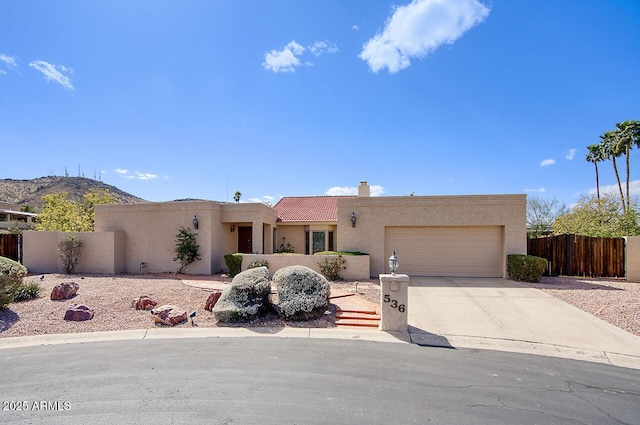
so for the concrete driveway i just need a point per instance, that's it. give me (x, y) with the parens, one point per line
(504, 315)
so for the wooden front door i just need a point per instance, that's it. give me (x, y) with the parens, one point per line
(245, 239)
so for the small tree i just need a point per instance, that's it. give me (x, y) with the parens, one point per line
(186, 248)
(237, 196)
(69, 251)
(541, 213)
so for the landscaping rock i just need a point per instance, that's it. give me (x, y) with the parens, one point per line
(303, 294)
(212, 300)
(78, 313)
(246, 298)
(64, 291)
(143, 302)
(169, 315)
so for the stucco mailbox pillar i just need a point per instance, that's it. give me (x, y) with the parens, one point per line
(394, 297)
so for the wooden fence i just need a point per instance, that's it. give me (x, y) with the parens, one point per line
(11, 246)
(572, 255)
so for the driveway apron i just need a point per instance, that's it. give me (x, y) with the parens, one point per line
(501, 309)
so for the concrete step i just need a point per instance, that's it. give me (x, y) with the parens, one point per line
(360, 323)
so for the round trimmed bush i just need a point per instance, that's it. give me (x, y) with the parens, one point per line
(11, 274)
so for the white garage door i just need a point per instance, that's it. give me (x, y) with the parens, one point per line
(446, 251)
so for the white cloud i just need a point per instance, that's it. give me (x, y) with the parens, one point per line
(124, 173)
(418, 29)
(320, 47)
(375, 190)
(634, 188)
(3, 72)
(539, 190)
(285, 60)
(54, 73)
(547, 162)
(355, 28)
(570, 154)
(9, 61)
(289, 58)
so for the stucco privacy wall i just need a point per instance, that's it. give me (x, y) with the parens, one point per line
(102, 252)
(357, 265)
(151, 231)
(633, 258)
(376, 213)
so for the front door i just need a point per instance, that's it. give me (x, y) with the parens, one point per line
(245, 239)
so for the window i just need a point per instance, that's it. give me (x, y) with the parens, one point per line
(330, 247)
(318, 242)
(3, 217)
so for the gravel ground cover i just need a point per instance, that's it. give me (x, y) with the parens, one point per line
(110, 297)
(615, 301)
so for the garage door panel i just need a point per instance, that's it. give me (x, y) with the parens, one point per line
(447, 251)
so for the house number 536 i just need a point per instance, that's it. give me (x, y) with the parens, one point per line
(394, 303)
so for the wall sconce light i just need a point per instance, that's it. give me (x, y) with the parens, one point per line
(393, 263)
(195, 222)
(353, 219)
(232, 228)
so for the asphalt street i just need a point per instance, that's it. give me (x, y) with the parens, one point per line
(257, 380)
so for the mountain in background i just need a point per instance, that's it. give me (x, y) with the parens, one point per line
(30, 192)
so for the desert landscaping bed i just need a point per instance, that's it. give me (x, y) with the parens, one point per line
(615, 301)
(110, 297)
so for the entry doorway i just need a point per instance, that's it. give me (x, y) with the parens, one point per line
(245, 239)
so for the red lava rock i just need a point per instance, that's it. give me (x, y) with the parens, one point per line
(143, 302)
(64, 291)
(78, 313)
(169, 315)
(212, 300)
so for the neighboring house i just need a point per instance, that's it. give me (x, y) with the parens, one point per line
(432, 235)
(11, 217)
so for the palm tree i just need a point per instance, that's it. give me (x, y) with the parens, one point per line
(628, 136)
(610, 149)
(237, 196)
(596, 155)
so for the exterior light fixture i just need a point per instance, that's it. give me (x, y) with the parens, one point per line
(353, 219)
(393, 263)
(232, 228)
(195, 222)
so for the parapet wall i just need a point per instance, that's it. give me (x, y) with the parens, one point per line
(357, 265)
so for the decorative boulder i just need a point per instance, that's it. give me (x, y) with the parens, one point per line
(143, 302)
(78, 313)
(212, 300)
(303, 294)
(246, 298)
(64, 291)
(169, 315)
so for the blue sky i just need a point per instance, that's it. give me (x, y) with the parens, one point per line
(198, 99)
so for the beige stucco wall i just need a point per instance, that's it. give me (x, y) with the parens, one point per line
(151, 231)
(375, 213)
(357, 265)
(102, 252)
(633, 258)
(293, 234)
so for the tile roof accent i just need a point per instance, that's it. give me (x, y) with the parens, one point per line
(308, 209)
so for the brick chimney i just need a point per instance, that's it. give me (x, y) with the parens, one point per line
(364, 190)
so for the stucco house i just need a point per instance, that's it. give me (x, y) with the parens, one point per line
(12, 217)
(432, 235)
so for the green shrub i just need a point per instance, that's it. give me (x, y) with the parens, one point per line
(525, 268)
(234, 263)
(69, 251)
(259, 263)
(331, 268)
(186, 248)
(26, 292)
(11, 274)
